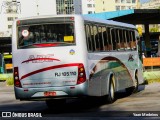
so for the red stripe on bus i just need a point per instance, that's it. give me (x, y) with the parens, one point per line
(49, 68)
(40, 59)
(46, 45)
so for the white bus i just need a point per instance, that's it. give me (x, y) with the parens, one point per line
(70, 56)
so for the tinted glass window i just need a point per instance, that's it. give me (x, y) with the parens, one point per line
(46, 35)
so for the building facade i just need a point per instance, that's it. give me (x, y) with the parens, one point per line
(37, 7)
(152, 4)
(65, 7)
(88, 6)
(75, 6)
(11, 9)
(114, 5)
(9, 12)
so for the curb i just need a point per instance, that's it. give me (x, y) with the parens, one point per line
(149, 81)
(151, 77)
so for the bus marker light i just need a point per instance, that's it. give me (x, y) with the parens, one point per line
(17, 82)
(81, 74)
(81, 69)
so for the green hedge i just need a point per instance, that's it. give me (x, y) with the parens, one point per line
(8, 78)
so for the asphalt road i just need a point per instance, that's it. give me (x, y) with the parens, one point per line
(145, 102)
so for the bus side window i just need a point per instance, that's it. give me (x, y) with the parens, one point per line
(105, 39)
(113, 33)
(130, 39)
(96, 38)
(118, 46)
(133, 40)
(101, 40)
(88, 38)
(110, 46)
(132, 45)
(126, 40)
(121, 37)
(92, 38)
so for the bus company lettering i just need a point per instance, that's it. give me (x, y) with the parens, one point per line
(58, 74)
(40, 59)
(130, 58)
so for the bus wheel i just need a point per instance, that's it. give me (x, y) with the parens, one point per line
(133, 89)
(55, 103)
(111, 92)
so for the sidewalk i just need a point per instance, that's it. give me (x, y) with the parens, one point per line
(5, 88)
(151, 76)
(2, 84)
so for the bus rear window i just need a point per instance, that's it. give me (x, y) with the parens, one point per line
(46, 35)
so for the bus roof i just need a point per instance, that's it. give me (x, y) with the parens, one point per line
(109, 22)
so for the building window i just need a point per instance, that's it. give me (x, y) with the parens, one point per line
(128, 1)
(122, 1)
(128, 7)
(65, 7)
(10, 18)
(89, 12)
(123, 7)
(133, 1)
(117, 1)
(89, 5)
(117, 7)
(9, 26)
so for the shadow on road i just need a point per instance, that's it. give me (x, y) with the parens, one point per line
(86, 104)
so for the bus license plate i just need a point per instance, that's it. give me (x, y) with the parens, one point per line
(49, 93)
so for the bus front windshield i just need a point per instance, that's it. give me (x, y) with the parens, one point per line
(45, 35)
